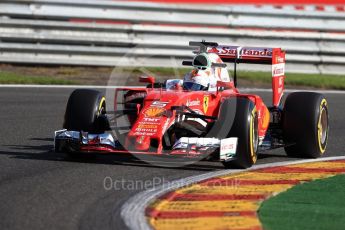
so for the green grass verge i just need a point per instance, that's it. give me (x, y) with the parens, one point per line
(13, 78)
(160, 71)
(76, 76)
(297, 79)
(319, 204)
(322, 81)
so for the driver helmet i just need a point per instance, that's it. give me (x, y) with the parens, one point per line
(199, 77)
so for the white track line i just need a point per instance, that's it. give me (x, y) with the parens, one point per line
(114, 87)
(133, 211)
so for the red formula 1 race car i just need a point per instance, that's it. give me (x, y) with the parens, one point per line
(200, 116)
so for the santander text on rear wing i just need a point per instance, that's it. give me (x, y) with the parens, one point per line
(255, 55)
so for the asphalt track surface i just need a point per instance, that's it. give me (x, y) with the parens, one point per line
(40, 189)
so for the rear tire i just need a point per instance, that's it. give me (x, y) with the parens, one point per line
(238, 118)
(305, 124)
(85, 111)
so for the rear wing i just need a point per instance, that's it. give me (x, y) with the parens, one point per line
(252, 55)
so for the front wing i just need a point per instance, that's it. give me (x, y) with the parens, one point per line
(84, 142)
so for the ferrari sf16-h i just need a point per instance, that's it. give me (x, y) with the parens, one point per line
(202, 116)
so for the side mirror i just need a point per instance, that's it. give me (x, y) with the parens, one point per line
(147, 79)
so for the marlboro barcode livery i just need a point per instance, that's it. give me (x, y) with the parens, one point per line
(202, 115)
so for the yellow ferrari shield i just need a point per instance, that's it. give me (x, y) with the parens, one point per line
(206, 99)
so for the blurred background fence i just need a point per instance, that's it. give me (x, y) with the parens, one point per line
(112, 33)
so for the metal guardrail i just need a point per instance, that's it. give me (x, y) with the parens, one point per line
(231, 17)
(110, 33)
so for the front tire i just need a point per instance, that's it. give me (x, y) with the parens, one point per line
(305, 124)
(238, 118)
(85, 111)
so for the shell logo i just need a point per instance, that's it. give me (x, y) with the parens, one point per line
(154, 112)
